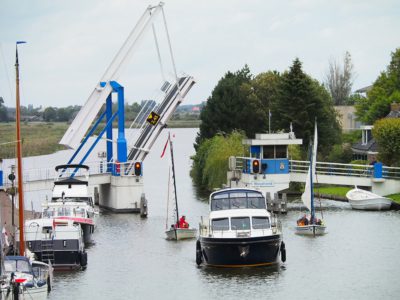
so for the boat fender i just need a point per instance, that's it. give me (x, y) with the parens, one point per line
(83, 259)
(199, 256)
(283, 252)
(48, 284)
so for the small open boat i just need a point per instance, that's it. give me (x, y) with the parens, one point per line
(175, 231)
(365, 200)
(311, 226)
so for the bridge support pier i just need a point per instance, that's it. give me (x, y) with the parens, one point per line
(122, 195)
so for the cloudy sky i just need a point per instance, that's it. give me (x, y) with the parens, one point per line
(72, 42)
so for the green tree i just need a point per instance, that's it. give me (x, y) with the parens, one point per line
(266, 88)
(301, 101)
(49, 114)
(385, 90)
(3, 111)
(387, 133)
(232, 105)
(63, 114)
(210, 164)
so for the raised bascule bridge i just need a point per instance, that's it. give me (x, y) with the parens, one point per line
(120, 178)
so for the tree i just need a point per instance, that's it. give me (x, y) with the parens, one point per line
(385, 90)
(49, 114)
(266, 88)
(387, 134)
(210, 163)
(302, 100)
(3, 111)
(339, 80)
(232, 105)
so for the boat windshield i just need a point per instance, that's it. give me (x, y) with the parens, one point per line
(17, 266)
(64, 211)
(261, 223)
(48, 213)
(223, 201)
(240, 223)
(220, 224)
(79, 212)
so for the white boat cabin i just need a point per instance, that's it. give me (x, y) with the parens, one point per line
(238, 213)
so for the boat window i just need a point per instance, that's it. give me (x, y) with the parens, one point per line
(261, 223)
(220, 224)
(79, 212)
(48, 213)
(240, 223)
(64, 211)
(258, 202)
(239, 202)
(220, 204)
(222, 195)
(17, 266)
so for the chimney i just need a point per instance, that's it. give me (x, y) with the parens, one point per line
(395, 106)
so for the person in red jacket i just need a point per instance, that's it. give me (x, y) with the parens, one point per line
(183, 223)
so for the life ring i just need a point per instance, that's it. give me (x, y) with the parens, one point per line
(199, 256)
(283, 252)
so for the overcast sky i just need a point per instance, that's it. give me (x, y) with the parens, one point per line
(71, 43)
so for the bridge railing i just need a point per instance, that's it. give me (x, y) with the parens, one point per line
(391, 172)
(95, 168)
(334, 169)
(339, 169)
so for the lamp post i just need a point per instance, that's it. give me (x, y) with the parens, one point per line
(11, 177)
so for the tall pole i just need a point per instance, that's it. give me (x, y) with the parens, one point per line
(173, 178)
(19, 158)
(269, 121)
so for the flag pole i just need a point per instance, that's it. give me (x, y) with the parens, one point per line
(269, 121)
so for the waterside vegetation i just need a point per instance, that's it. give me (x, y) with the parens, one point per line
(273, 101)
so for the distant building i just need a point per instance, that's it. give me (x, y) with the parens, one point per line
(347, 118)
(367, 149)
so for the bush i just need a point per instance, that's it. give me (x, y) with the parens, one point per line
(210, 164)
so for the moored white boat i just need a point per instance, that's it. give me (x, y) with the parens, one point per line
(58, 241)
(72, 200)
(24, 279)
(365, 200)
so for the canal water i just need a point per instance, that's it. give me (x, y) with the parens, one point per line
(356, 259)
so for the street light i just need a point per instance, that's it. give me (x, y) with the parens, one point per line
(11, 177)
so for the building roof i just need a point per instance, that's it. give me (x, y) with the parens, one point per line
(370, 147)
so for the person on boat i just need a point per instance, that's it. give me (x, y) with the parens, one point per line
(303, 221)
(183, 223)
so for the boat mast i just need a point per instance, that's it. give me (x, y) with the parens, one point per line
(19, 159)
(173, 178)
(312, 185)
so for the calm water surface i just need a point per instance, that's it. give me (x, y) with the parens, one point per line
(357, 259)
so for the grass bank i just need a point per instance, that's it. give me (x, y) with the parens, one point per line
(37, 138)
(340, 191)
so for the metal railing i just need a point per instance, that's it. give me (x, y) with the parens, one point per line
(95, 168)
(339, 169)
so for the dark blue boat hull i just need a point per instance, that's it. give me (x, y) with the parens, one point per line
(240, 252)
